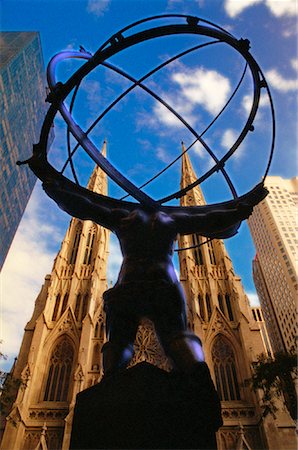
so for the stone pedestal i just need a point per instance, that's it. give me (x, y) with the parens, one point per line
(146, 408)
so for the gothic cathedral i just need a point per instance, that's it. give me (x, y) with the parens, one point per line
(61, 350)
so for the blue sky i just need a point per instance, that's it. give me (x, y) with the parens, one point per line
(142, 135)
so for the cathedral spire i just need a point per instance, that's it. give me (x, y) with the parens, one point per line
(98, 180)
(188, 176)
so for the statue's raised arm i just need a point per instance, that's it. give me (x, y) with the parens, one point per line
(220, 220)
(77, 201)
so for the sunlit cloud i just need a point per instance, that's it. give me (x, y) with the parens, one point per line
(183, 108)
(278, 82)
(98, 7)
(204, 87)
(228, 138)
(282, 7)
(277, 8)
(248, 100)
(114, 260)
(162, 155)
(294, 63)
(253, 299)
(235, 7)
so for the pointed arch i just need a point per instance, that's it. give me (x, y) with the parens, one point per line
(198, 255)
(202, 307)
(211, 251)
(208, 306)
(78, 306)
(59, 372)
(96, 357)
(229, 307)
(64, 303)
(81, 306)
(89, 250)
(56, 306)
(75, 244)
(224, 364)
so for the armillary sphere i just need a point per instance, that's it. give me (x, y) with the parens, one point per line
(125, 38)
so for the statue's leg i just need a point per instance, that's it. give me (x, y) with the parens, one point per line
(181, 345)
(121, 325)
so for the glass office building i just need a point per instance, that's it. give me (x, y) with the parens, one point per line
(22, 109)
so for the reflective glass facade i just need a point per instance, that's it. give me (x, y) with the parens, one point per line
(22, 108)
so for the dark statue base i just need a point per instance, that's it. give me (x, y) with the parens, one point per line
(146, 408)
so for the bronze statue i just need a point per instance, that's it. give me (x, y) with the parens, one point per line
(147, 284)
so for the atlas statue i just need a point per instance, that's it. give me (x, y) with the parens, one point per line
(147, 285)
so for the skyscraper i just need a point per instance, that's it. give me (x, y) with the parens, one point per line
(22, 109)
(273, 226)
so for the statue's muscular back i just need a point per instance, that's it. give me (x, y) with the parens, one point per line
(146, 240)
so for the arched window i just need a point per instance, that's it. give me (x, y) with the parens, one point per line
(211, 252)
(75, 244)
(221, 303)
(225, 370)
(81, 307)
(202, 307)
(56, 307)
(89, 246)
(64, 304)
(78, 306)
(96, 358)
(196, 239)
(229, 307)
(61, 361)
(99, 330)
(208, 305)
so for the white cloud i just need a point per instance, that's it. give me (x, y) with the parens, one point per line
(30, 258)
(294, 63)
(235, 7)
(204, 87)
(283, 7)
(98, 7)
(164, 115)
(278, 82)
(253, 299)
(163, 155)
(228, 138)
(247, 102)
(114, 260)
(277, 7)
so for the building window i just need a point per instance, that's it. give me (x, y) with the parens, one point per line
(211, 252)
(75, 245)
(197, 240)
(89, 246)
(208, 305)
(58, 379)
(225, 370)
(81, 307)
(96, 357)
(229, 307)
(64, 304)
(202, 307)
(56, 307)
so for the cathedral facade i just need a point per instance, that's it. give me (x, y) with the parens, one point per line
(61, 349)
